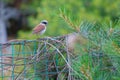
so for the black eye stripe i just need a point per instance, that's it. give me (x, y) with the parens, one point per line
(44, 22)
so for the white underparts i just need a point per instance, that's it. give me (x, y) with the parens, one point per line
(43, 31)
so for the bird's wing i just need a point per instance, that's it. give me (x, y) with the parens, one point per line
(38, 28)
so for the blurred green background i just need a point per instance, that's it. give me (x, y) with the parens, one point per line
(102, 36)
(104, 11)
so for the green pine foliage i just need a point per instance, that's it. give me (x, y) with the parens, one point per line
(97, 21)
(91, 10)
(99, 58)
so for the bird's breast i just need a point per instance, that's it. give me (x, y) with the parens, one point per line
(43, 31)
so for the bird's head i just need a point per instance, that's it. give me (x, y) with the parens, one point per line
(44, 22)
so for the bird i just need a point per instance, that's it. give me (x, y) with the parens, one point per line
(40, 28)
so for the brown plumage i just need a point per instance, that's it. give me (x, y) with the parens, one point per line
(40, 28)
